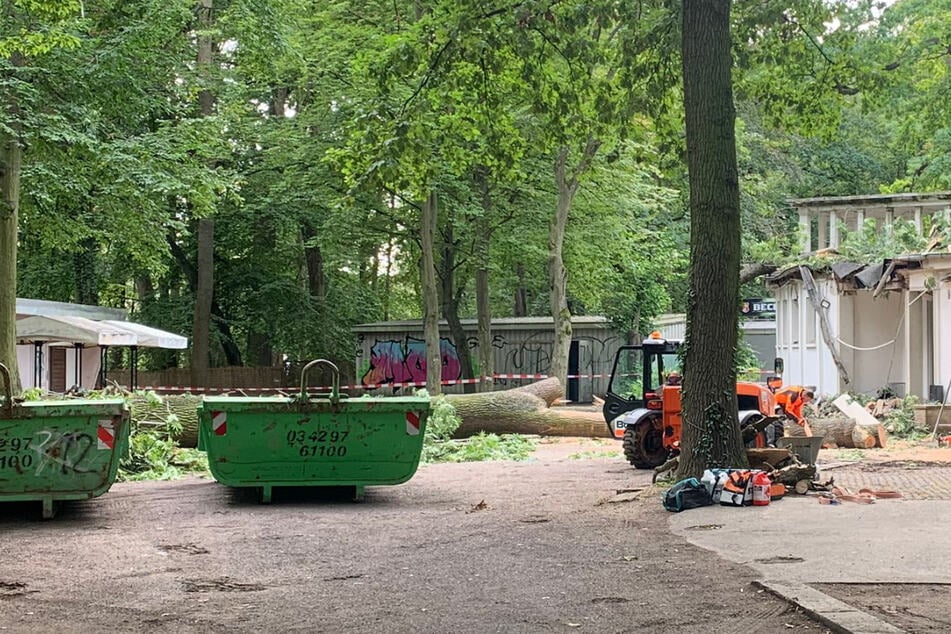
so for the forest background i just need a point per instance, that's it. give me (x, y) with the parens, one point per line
(262, 176)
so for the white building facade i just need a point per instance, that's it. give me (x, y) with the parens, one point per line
(883, 322)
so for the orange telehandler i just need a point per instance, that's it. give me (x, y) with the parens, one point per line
(644, 411)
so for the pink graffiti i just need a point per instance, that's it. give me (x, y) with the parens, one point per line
(405, 362)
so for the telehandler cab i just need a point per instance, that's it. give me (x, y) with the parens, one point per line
(642, 406)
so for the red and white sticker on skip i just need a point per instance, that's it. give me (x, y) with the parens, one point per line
(219, 423)
(412, 423)
(106, 434)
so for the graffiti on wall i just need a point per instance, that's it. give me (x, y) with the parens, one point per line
(404, 360)
(393, 361)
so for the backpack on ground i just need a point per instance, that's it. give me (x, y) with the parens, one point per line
(687, 494)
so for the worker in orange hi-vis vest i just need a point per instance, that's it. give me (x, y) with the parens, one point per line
(791, 400)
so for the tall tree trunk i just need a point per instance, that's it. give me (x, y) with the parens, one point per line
(567, 185)
(450, 309)
(220, 321)
(483, 308)
(558, 275)
(314, 258)
(205, 278)
(86, 275)
(711, 432)
(260, 350)
(204, 293)
(427, 230)
(388, 280)
(11, 155)
(521, 293)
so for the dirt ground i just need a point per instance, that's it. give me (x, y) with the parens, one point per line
(914, 607)
(558, 543)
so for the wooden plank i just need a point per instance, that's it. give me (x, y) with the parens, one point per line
(813, 293)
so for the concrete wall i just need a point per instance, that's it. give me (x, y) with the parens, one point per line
(876, 339)
(393, 352)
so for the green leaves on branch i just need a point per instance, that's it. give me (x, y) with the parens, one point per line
(36, 27)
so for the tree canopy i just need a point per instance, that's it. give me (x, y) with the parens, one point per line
(549, 135)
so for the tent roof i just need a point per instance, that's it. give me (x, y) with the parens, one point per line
(45, 308)
(149, 337)
(67, 329)
(63, 329)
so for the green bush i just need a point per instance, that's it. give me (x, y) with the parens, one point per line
(901, 420)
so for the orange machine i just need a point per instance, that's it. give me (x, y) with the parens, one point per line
(644, 411)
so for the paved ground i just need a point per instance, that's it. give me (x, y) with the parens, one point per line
(560, 543)
(863, 568)
(544, 546)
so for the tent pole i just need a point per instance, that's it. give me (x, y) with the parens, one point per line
(78, 364)
(38, 364)
(103, 366)
(134, 370)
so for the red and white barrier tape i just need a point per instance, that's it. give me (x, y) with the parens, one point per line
(359, 386)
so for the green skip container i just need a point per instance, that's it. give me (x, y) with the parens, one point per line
(59, 450)
(320, 440)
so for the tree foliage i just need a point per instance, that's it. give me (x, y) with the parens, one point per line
(334, 121)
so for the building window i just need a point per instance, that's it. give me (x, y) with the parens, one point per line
(810, 318)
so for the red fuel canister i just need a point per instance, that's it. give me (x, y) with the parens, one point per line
(761, 484)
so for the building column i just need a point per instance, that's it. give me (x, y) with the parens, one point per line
(805, 229)
(918, 219)
(823, 237)
(889, 219)
(906, 335)
(833, 229)
(859, 219)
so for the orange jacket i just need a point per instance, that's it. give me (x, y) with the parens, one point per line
(791, 401)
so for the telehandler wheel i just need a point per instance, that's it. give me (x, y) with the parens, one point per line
(753, 437)
(644, 443)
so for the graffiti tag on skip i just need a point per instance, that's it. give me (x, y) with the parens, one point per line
(65, 452)
(394, 361)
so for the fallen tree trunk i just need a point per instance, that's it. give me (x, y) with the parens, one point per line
(549, 390)
(843, 432)
(149, 413)
(521, 410)
(524, 410)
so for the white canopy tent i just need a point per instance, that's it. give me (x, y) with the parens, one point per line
(79, 332)
(69, 330)
(148, 337)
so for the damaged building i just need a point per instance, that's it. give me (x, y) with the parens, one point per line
(859, 326)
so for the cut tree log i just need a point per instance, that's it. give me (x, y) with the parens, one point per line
(148, 413)
(851, 408)
(844, 432)
(525, 410)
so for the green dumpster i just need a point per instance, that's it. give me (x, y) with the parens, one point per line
(59, 450)
(316, 440)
